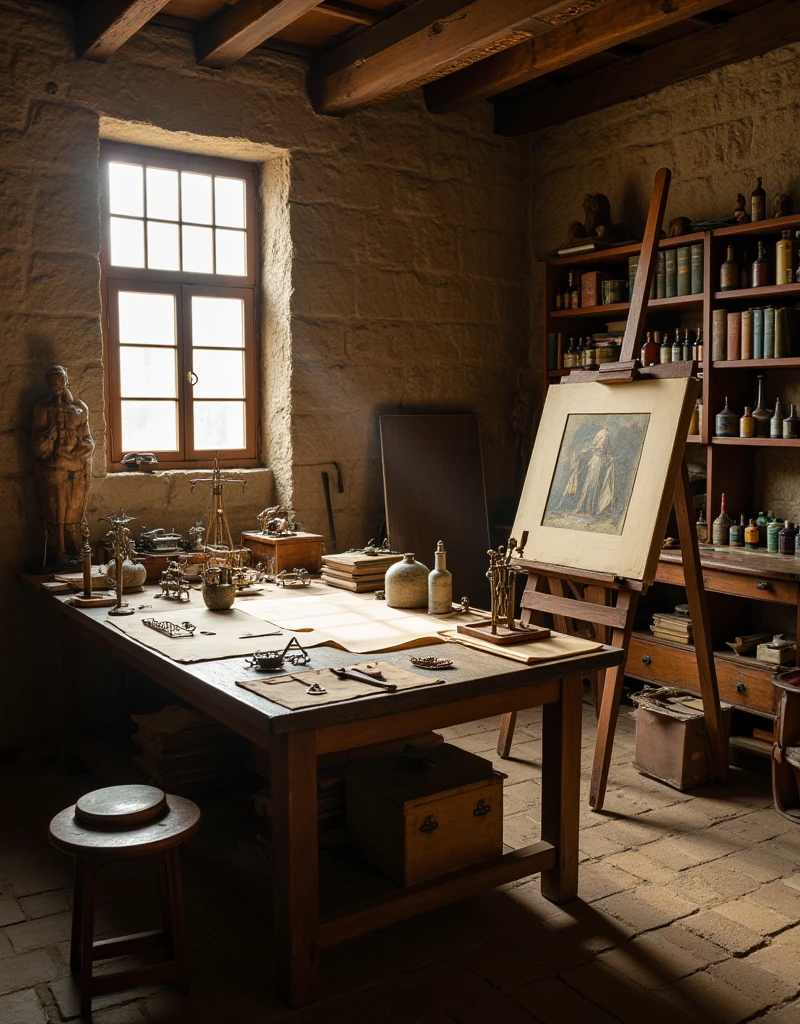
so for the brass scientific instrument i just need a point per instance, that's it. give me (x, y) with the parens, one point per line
(120, 546)
(217, 546)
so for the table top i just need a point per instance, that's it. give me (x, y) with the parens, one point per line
(473, 674)
(756, 563)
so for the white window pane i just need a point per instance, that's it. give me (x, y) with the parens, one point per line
(196, 197)
(219, 374)
(148, 372)
(127, 242)
(217, 323)
(231, 257)
(125, 190)
(197, 254)
(162, 193)
(229, 202)
(218, 425)
(163, 251)
(150, 426)
(147, 318)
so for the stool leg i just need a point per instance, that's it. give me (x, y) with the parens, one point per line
(87, 934)
(166, 910)
(177, 926)
(77, 916)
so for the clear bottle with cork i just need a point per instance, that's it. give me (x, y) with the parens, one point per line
(665, 348)
(776, 423)
(729, 272)
(721, 527)
(677, 347)
(758, 202)
(760, 268)
(650, 352)
(784, 272)
(440, 584)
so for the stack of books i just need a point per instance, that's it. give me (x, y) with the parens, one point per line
(357, 572)
(677, 628)
(182, 751)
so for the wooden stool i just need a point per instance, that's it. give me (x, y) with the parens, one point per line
(786, 748)
(116, 823)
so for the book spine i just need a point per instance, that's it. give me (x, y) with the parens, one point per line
(781, 334)
(672, 273)
(661, 275)
(697, 268)
(633, 266)
(758, 333)
(684, 270)
(718, 340)
(734, 339)
(769, 332)
(747, 334)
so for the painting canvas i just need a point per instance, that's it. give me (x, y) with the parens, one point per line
(601, 479)
(595, 471)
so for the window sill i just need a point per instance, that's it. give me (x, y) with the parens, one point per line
(186, 467)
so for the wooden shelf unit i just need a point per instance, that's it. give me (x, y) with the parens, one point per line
(730, 462)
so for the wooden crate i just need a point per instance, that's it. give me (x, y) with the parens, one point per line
(294, 551)
(672, 750)
(416, 818)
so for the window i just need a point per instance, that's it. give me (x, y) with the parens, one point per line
(180, 272)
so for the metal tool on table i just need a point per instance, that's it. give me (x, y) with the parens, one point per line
(375, 679)
(174, 630)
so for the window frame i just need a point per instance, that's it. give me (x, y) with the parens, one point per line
(183, 285)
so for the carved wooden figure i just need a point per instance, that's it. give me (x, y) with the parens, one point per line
(62, 445)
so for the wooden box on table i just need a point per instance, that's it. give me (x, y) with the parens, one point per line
(292, 551)
(417, 817)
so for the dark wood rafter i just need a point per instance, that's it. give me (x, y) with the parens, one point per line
(430, 39)
(749, 35)
(240, 29)
(609, 27)
(350, 12)
(102, 26)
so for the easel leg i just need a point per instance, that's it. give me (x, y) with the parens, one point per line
(561, 789)
(609, 707)
(295, 866)
(698, 612)
(506, 737)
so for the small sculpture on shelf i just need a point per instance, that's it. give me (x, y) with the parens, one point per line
(174, 584)
(740, 214)
(597, 210)
(679, 226)
(122, 545)
(62, 446)
(276, 520)
(783, 205)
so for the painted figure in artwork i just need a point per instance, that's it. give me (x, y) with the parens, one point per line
(62, 446)
(595, 472)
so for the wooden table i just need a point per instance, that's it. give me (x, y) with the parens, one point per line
(480, 685)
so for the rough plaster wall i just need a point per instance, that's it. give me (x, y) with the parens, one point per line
(716, 133)
(406, 288)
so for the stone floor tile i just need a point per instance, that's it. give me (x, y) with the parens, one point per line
(689, 851)
(710, 1000)
(65, 993)
(765, 987)
(36, 878)
(702, 949)
(22, 1007)
(44, 931)
(754, 917)
(653, 961)
(758, 826)
(594, 843)
(715, 876)
(618, 995)
(599, 879)
(637, 862)
(553, 1002)
(10, 912)
(736, 938)
(498, 1008)
(501, 964)
(782, 961)
(6, 949)
(790, 937)
(45, 903)
(132, 1013)
(649, 906)
(26, 970)
(777, 896)
(789, 1013)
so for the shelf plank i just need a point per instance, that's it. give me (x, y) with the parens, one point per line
(770, 226)
(674, 302)
(757, 442)
(621, 252)
(790, 363)
(764, 292)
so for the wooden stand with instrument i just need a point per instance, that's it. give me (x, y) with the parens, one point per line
(606, 602)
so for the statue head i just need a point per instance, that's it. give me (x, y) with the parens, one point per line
(57, 379)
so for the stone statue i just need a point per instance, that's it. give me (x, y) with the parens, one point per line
(62, 446)
(740, 214)
(782, 205)
(679, 226)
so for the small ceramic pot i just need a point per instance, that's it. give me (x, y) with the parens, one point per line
(219, 596)
(134, 574)
(407, 584)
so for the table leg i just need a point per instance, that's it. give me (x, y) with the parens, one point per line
(561, 781)
(296, 866)
(69, 663)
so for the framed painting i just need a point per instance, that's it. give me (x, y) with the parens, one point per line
(602, 476)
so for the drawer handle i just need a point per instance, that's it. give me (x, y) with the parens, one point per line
(429, 824)
(482, 809)
(741, 688)
(646, 659)
(763, 585)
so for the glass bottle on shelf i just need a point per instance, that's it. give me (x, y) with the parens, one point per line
(786, 539)
(747, 425)
(575, 292)
(559, 303)
(760, 268)
(751, 536)
(761, 413)
(758, 202)
(736, 539)
(694, 422)
(729, 272)
(726, 422)
(566, 295)
(650, 353)
(776, 423)
(762, 523)
(697, 350)
(677, 347)
(686, 348)
(783, 258)
(721, 527)
(744, 272)
(665, 348)
(791, 425)
(702, 528)
(773, 529)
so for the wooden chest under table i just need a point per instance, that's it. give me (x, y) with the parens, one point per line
(292, 551)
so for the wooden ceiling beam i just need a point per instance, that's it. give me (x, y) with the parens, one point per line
(748, 35)
(350, 12)
(240, 29)
(593, 32)
(102, 26)
(428, 40)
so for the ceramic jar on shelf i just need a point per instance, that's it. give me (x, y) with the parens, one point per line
(406, 584)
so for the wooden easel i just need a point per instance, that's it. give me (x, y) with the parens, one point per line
(609, 602)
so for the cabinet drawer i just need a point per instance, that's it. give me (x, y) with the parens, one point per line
(757, 588)
(746, 686)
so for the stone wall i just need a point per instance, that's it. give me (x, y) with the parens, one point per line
(396, 278)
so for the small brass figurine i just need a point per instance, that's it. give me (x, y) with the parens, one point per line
(121, 533)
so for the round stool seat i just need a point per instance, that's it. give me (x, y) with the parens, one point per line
(172, 824)
(117, 806)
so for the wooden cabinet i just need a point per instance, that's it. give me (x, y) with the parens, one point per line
(294, 551)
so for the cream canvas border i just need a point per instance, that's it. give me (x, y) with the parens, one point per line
(633, 554)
